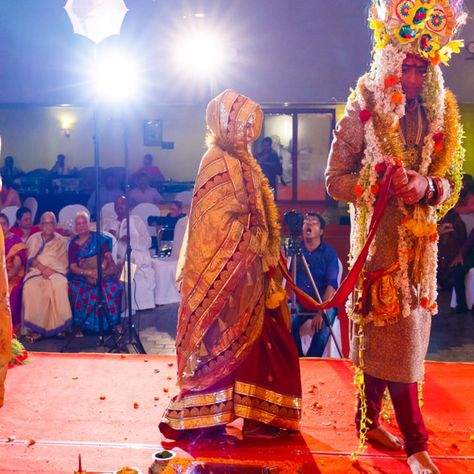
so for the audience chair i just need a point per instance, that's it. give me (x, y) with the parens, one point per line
(330, 349)
(108, 211)
(165, 268)
(32, 204)
(145, 210)
(185, 197)
(68, 213)
(179, 232)
(10, 212)
(114, 244)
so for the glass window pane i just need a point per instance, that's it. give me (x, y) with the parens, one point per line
(279, 127)
(314, 133)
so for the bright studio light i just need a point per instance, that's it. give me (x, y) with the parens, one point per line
(200, 54)
(115, 78)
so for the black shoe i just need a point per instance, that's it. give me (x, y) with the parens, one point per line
(461, 309)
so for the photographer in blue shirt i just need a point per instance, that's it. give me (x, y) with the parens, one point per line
(323, 264)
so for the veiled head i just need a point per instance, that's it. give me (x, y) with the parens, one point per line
(233, 118)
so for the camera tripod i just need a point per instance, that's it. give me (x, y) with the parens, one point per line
(295, 252)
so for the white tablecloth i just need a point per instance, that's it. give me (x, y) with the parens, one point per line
(165, 277)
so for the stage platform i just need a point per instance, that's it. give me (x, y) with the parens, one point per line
(107, 408)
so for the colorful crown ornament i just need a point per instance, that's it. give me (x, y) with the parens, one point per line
(422, 27)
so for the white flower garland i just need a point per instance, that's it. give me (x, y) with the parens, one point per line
(388, 62)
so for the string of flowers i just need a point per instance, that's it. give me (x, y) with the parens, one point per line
(380, 97)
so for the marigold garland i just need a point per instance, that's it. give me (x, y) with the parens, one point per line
(379, 95)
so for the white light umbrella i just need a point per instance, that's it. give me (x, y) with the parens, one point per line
(96, 19)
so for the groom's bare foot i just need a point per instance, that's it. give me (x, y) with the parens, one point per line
(381, 436)
(421, 463)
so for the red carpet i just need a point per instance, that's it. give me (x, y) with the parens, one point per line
(55, 402)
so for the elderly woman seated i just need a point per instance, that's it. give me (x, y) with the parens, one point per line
(83, 290)
(46, 308)
(15, 261)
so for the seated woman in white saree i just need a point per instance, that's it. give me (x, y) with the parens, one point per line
(46, 308)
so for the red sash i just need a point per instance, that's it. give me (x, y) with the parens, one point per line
(340, 296)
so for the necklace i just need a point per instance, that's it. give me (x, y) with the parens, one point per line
(411, 140)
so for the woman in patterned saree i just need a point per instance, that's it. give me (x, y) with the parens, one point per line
(15, 260)
(235, 354)
(83, 278)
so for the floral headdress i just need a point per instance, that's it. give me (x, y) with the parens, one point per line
(422, 27)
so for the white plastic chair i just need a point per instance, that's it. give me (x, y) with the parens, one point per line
(184, 196)
(68, 213)
(10, 212)
(179, 232)
(114, 244)
(306, 335)
(108, 211)
(32, 204)
(145, 210)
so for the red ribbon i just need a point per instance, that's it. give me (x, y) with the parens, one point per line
(347, 286)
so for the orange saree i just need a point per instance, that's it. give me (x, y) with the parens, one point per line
(235, 355)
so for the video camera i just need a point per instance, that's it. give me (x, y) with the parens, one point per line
(294, 221)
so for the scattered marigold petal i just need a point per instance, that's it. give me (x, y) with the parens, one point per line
(136, 405)
(11, 438)
(156, 398)
(170, 364)
(169, 378)
(122, 356)
(31, 442)
(165, 389)
(102, 396)
(145, 360)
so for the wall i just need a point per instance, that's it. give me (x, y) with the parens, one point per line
(33, 136)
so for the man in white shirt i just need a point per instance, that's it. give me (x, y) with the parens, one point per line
(143, 284)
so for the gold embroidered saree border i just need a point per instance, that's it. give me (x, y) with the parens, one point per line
(199, 420)
(199, 400)
(281, 420)
(249, 390)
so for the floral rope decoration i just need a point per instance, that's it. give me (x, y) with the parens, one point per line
(381, 102)
(359, 382)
